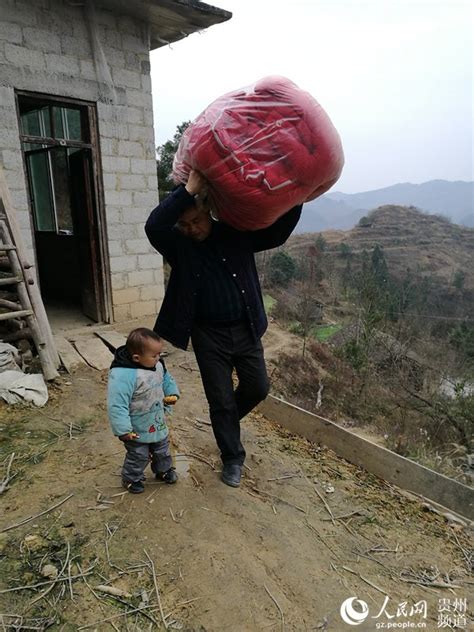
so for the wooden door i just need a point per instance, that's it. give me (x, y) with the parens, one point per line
(85, 231)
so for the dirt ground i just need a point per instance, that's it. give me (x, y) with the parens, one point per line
(305, 532)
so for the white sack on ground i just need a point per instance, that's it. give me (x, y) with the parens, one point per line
(10, 358)
(17, 387)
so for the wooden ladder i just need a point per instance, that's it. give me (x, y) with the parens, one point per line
(30, 305)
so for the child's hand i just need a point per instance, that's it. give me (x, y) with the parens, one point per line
(170, 400)
(129, 436)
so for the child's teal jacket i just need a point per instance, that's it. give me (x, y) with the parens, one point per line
(135, 399)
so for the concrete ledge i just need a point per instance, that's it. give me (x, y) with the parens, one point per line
(371, 457)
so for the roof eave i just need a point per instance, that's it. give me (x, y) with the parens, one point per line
(169, 20)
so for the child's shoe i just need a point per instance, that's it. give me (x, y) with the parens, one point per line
(134, 487)
(169, 476)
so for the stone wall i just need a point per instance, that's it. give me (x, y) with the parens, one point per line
(51, 47)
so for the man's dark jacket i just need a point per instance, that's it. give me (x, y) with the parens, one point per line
(237, 248)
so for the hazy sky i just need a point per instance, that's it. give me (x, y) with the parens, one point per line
(395, 77)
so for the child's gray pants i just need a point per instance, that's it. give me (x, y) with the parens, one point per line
(140, 454)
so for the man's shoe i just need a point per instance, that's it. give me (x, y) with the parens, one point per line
(134, 487)
(231, 474)
(169, 476)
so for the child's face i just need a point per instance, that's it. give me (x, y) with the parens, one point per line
(150, 354)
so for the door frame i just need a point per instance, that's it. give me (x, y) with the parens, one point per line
(102, 251)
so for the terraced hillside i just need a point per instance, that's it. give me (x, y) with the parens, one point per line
(427, 244)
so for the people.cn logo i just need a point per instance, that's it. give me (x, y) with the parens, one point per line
(352, 616)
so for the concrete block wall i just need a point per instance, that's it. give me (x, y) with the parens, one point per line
(46, 46)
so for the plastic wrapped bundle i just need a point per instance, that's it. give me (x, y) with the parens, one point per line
(263, 149)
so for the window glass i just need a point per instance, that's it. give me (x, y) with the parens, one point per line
(62, 196)
(58, 122)
(49, 167)
(30, 123)
(36, 123)
(74, 126)
(42, 200)
(67, 123)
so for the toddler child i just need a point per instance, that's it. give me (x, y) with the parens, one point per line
(139, 388)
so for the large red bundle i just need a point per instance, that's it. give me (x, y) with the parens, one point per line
(263, 149)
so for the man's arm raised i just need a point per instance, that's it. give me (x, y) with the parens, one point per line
(160, 223)
(276, 234)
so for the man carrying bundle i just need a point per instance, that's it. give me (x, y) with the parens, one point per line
(214, 298)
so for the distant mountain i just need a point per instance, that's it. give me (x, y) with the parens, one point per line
(336, 210)
(427, 244)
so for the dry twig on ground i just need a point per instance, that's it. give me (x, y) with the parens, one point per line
(45, 583)
(56, 580)
(157, 591)
(7, 478)
(282, 500)
(281, 478)
(314, 530)
(282, 616)
(364, 579)
(116, 616)
(424, 579)
(328, 509)
(199, 457)
(19, 622)
(42, 513)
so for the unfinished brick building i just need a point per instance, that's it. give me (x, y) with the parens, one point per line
(77, 143)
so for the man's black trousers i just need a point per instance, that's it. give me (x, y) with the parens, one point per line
(220, 350)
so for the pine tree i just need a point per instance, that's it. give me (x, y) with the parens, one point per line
(164, 162)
